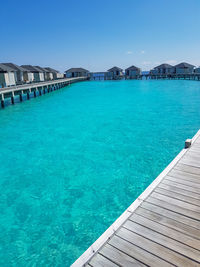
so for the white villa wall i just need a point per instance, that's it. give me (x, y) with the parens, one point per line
(41, 76)
(11, 78)
(51, 76)
(7, 79)
(30, 77)
(60, 75)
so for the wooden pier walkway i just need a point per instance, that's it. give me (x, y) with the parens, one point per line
(162, 226)
(35, 88)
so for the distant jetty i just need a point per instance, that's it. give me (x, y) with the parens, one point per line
(24, 92)
(14, 75)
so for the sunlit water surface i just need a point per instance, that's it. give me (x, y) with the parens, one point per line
(72, 161)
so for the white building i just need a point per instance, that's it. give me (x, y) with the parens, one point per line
(36, 74)
(48, 75)
(19, 72)
(44, 71)
(7, 76)
(55, 73)
(76, 72)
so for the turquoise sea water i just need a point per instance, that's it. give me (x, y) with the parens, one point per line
(72, 161)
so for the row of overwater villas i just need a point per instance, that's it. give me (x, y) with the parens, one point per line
(12, 74)
(179, 69)
(113, 73)
(133, 72)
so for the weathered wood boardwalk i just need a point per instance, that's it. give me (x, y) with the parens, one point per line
(160, 228)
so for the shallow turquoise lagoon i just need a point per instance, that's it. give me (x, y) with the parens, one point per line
(72, 161)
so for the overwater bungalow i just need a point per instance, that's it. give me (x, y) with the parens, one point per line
(114, 73)
(37, 74)
(163, 69)
(19, 72)
(7, 76)
(48, 75)
(43, 70)
(76, 72)
(184, 68)
(132, 72)
(54, 72)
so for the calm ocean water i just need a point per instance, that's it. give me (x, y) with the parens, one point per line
(72, 161)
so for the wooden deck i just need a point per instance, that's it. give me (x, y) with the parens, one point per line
(162, 227)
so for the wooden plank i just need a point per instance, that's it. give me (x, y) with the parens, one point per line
(135, 251)
(100, 261)
(177, 202)
(195, 149)
(166, 231)
(169, 213)
(177, 180)
(191, 162)
(175, 208)
(178, 196)
(156, 249)
(191, 156)
(193, 153)
(172, 223)
(177, 189)
(184, 175)
(119, 257)
(180, 185)
(165, 242)
(185, 168)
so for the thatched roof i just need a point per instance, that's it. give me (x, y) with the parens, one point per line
(115, 69)
(30, 68)
(132, 68)
(5, 68)
(40, 68)
(77, 70)
(184, 65)
(14, 66)
(164, 66)
(51, 70)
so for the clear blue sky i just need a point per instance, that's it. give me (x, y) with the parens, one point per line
(99, 34)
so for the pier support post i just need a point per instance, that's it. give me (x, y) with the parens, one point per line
(28, 95)
(20, 96)
(13, 98)
(40, 92)
(44, 92)
(34, 92)
(2, 101)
